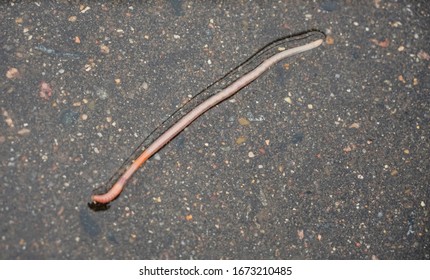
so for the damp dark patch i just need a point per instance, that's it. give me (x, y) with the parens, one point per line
(330, 6)
(68, 117)
(297, 138)
(88, 224)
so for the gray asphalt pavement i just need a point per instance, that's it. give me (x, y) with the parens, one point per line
(324, 157)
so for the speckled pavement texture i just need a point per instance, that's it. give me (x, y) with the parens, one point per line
(324, 157)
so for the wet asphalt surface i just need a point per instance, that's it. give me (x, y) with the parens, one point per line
(324, 157)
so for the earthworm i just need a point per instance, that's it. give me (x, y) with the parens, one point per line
(187, 119)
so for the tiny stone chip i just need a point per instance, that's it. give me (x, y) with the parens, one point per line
(244, 121)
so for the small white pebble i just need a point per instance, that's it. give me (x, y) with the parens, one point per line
(251, 154)
(85, 10)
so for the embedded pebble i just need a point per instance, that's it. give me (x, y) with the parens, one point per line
(243, 121)
(240, 140)
(104, 49)
(12, 73)
(24, 132)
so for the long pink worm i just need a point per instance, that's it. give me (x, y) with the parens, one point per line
(186, 120)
